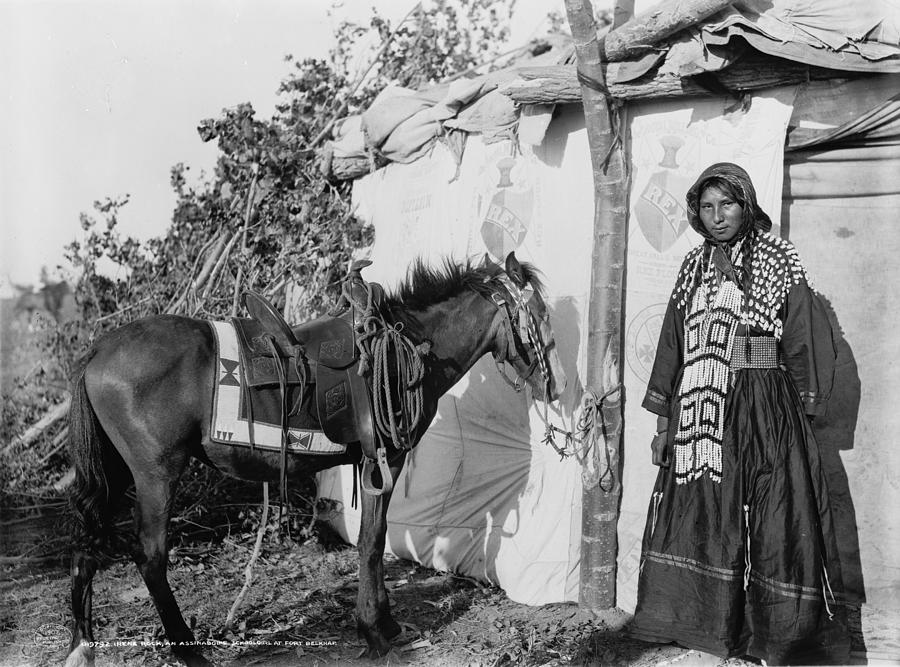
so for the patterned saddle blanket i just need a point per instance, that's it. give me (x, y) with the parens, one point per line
(243, 377)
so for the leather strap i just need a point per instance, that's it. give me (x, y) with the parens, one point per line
(511, 353)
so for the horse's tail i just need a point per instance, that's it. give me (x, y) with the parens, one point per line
(95, 460)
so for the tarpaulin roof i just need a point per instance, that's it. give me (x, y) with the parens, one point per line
(401, 123)
(852, 36)
(856, 36)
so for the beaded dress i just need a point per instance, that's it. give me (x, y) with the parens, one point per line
(739, 555)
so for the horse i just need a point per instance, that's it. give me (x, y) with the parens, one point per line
(141, 408)
(55, 299)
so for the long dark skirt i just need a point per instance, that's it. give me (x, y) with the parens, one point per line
(748, 565)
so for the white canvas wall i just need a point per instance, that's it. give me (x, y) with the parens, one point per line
(481, 495)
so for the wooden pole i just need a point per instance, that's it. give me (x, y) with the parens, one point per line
(600, 506)
(558, 84)
(623, 12)
(657, 23)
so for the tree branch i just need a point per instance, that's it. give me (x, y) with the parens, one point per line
(248, 571)
(247, 213)
(346, 103)
(34, 432)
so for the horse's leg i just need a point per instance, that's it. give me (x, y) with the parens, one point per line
(84, 566)
(373, 612)
(81, 651)
(154, 503)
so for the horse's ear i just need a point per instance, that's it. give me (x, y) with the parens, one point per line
(486, 261)
(514, 270)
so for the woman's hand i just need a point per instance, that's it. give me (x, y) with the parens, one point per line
(660, 448)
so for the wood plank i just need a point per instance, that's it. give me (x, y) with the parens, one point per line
(348, 168)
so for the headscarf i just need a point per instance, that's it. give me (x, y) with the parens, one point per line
(743, 190)
(755, 220)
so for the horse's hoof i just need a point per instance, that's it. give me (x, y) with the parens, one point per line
(82, 656)
(392, 657)
(377, 645)
(377, 653)
(390, 628)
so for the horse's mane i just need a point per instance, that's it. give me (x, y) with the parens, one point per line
(425, 285)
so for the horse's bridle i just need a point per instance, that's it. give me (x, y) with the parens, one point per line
(517, 306)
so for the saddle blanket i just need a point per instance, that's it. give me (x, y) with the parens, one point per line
(230, 425)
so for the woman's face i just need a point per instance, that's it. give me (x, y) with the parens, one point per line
(720, 214)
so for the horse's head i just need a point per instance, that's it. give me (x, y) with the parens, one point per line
(525, 340)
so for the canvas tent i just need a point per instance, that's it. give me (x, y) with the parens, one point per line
(806, 96)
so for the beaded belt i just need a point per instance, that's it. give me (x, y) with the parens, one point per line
(763, 353)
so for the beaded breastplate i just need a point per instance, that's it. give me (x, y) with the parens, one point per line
(776, 268)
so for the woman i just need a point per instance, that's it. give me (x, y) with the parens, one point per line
(739, 555)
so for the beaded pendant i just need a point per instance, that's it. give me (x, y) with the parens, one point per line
(708, 336)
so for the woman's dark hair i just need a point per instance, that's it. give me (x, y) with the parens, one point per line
(735, 182)
(724, 186)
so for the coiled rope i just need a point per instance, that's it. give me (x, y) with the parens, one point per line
(380, 343)
(397, 422)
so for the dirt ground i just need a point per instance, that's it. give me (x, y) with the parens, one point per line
(300, 611)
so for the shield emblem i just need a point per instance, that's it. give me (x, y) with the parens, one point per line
(659, 210)
(508, 214)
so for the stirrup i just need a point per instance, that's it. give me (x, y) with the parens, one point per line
(387, 481)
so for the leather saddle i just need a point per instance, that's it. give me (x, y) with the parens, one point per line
(321, 353)
(343, 398)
